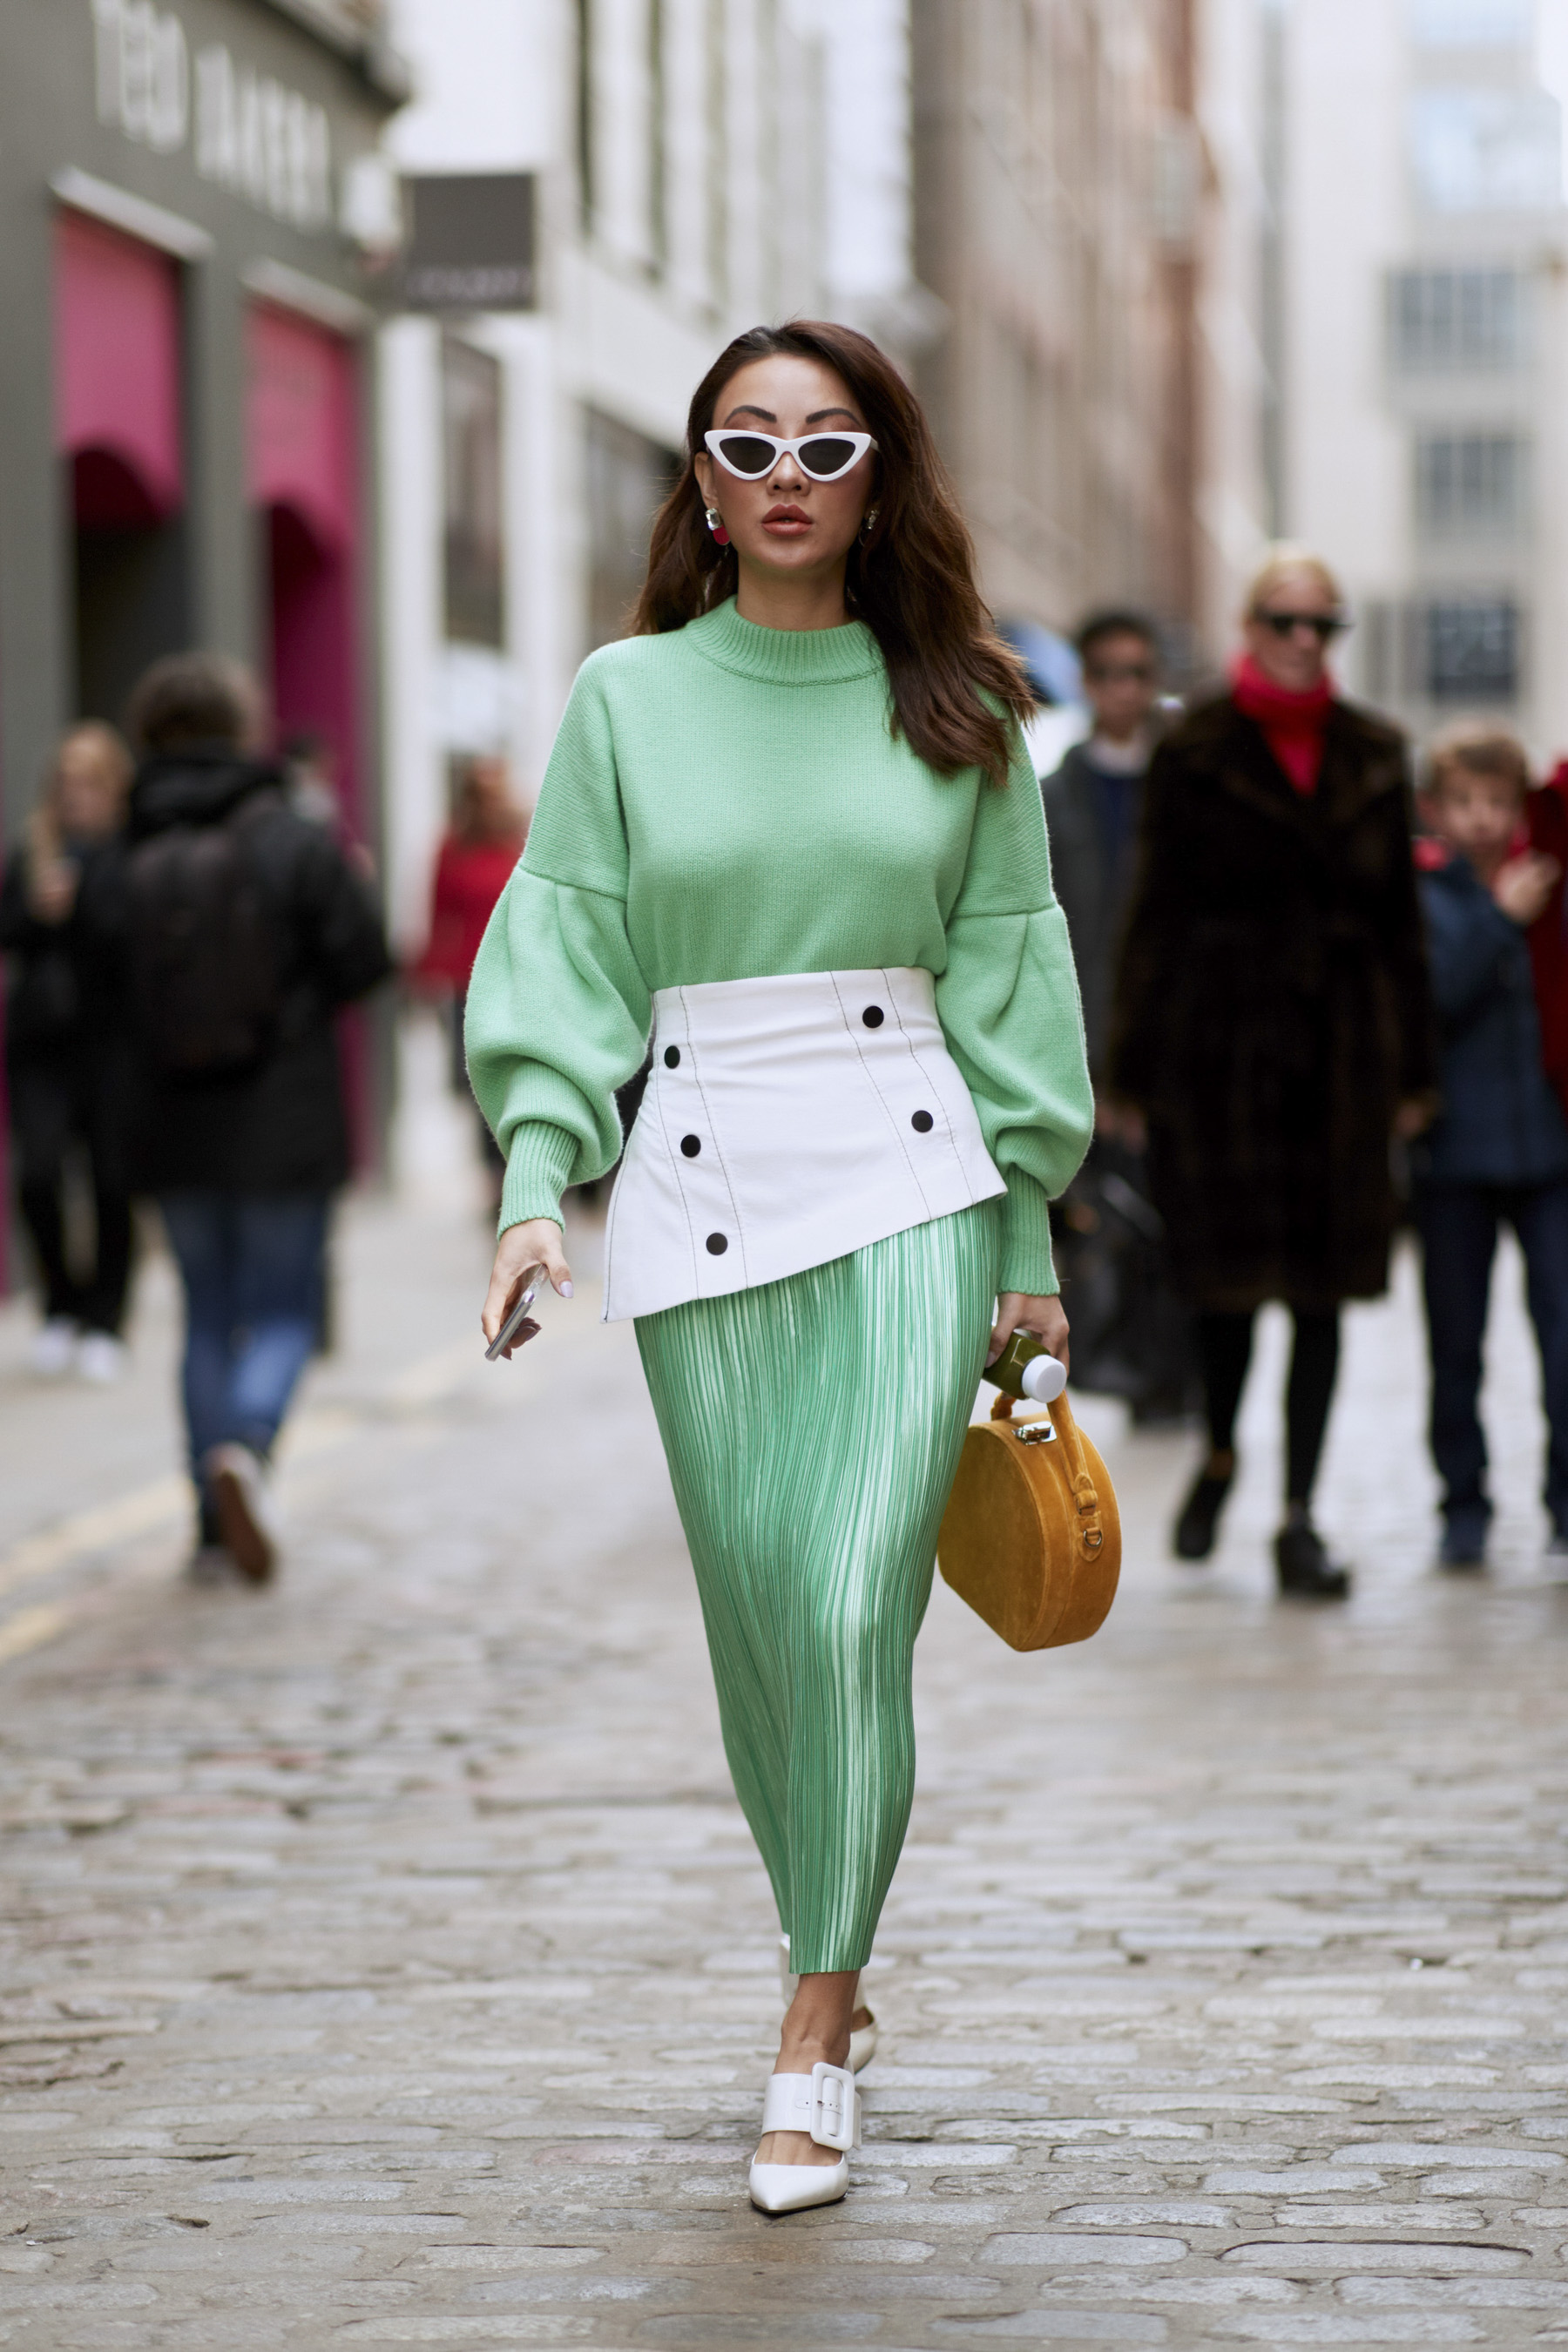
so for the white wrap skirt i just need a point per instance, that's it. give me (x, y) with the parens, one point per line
(787, 1122)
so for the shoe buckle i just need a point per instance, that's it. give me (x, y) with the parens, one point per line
(834, 2108)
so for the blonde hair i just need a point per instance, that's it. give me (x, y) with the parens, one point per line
(1481, 748)
(113, 755)
(1283, 559)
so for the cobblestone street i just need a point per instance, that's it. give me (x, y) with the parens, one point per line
(386, 1961)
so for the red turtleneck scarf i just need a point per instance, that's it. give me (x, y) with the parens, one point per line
(1293, 724)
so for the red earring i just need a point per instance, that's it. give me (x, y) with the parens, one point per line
(715, 522)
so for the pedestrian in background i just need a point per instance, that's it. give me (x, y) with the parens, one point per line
(67, 1045)
(1498, 1150)
(1093, 805)
(473, 866)
(867, 1082)
(1131, 1332)
(1274, 1026)
(248, 928)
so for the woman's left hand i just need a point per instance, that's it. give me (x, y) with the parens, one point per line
(1043, 1317)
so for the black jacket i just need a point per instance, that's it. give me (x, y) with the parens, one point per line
(65, 997)
(1501, 1123)
(1273, 1008)
(1091, 895)
(279, 1128)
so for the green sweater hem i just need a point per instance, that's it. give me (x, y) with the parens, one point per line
(1027, 1262)
(538, 1171)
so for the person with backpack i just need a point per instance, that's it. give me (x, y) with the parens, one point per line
(248, 929)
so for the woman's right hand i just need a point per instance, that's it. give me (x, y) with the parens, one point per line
(523, 1250)
(52, 892)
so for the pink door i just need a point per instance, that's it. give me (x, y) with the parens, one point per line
(304, 468)
(117, 374)
(304, 478)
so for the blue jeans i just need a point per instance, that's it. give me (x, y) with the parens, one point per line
(252, 1266)
(1458, 1225)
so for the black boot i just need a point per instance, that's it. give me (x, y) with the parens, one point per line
(1306, 1572)
(1199, 1516)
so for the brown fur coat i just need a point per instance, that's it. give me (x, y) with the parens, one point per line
(1272, 1007)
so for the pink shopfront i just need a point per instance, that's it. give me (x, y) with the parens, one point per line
(193, 255)
(120, 426)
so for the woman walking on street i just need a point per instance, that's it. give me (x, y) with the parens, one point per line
(1274, 1025)
(791, 825)
(68, 1044)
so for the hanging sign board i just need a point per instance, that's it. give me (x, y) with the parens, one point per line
(470, 241)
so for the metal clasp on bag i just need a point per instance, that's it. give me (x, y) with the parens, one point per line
(1035, 1433)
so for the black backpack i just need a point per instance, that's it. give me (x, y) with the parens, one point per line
(203, 941)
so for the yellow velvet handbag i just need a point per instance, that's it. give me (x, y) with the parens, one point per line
(1032, 1538)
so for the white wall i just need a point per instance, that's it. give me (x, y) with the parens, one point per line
(1355, 211)
(1347, 225)
(1231, 508)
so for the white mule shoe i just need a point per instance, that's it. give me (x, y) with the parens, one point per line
(862, 2038)
(862, 2046)
(825, 2104)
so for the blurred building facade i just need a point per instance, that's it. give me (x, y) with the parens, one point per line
(190, 200)
(1065, 209)
(1424, 294)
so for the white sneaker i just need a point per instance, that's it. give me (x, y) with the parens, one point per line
(101, 1359)
(825, 2104)
(54, 1349)
(241, 1487)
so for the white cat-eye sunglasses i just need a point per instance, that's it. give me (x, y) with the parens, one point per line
(821, 456)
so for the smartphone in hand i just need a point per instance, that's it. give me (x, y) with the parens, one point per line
(513, 1330)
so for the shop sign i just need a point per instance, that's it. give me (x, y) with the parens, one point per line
(254, 137)
(470, 241)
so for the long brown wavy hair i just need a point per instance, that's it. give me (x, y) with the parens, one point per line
(958, 691)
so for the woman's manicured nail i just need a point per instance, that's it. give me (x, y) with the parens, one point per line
(565, 1289)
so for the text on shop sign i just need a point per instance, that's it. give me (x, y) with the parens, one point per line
(253, 136)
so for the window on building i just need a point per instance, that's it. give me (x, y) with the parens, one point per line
(1470, 485)
(1471, 23)
(473, 543)
(1487, 150)
(1449, 320)
(629, 479)
(1472, 650)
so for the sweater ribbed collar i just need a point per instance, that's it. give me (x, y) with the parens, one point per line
(784, 656)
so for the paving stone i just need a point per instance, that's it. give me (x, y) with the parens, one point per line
(383, 1958)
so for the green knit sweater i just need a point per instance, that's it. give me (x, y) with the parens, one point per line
(729, 803)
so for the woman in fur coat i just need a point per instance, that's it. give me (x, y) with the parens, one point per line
(1273, 1026)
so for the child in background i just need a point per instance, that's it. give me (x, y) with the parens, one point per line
(1499, 1148)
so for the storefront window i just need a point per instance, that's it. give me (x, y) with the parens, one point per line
(472, 436)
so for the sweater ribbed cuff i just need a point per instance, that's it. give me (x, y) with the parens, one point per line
(1027, 1240)
(537, 1173)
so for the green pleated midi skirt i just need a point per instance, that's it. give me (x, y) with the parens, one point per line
(813, 1428)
